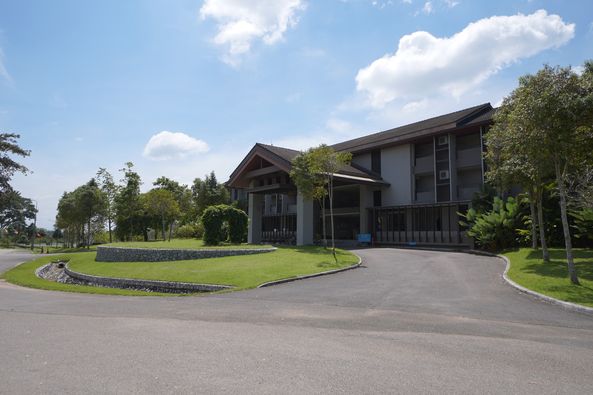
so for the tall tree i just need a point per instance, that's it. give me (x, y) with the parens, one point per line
(110, 190)
(514, 161)
(208, 192)
(8, 166)
(182, 195)
(91, 205)
(161, 203)
(554, 106)
(15, 211)
(320, 164)
(129, 214)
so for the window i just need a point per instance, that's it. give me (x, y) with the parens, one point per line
(376, 161)
(377, 199)
(443, 140)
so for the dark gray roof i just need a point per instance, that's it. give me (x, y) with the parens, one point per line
(288, 155)
(416, 130)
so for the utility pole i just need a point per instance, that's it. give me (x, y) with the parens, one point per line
(34, 227)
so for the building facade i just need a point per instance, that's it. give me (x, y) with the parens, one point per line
(404, 185)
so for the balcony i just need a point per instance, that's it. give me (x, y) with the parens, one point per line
(424, 164)
(424, 197)
(466, 192)
(469, 157)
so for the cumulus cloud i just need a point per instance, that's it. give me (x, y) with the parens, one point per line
(173, 145)
(425, 65)
(241, 22)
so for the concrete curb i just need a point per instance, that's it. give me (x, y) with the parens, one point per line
(154, 285)
(288, 280)
(545, 298)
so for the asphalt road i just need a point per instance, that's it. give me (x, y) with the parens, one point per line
(405, 322)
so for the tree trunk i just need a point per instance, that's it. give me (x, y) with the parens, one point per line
(572, 271)
(170, 230)
(542, 228)
(533, 219)
(88, 235)
(331, 215)
(109, 222)
(323, 222)
(163, 226)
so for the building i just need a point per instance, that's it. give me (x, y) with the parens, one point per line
(404, 185)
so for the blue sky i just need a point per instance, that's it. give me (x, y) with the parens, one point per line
(184, 87)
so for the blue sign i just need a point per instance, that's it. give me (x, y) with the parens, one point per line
(364, 237)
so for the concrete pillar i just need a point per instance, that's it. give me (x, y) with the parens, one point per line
(255, 218)
(304, 226)
(366, 202)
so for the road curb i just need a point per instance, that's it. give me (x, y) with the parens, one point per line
(288, 280)
(545, 298)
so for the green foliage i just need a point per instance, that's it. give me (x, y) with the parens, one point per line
(8, 166)
(213, 219)
(237, 220)
(583, 223)
(190, 231)
(208, 192)
(222, 221)
(496, 229)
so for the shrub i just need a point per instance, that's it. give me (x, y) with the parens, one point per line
(190, 231)
(583, 225)
(224, 222)
(212, 219)
(237, 220)
(496, 229)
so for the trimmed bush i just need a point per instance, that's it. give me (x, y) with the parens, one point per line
(222, 222)
(213, 219)
(237, 220)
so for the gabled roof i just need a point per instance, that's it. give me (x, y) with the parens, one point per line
(416, 130)
(282, 158)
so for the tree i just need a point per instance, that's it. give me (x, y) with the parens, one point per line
(161, 203)
(514, 161)
(129, 214)
(91, 205)
(182, 195)
(315, 172)
(554, 108)
(208, 192)
(8, 166)
(110, 190)
(15, 211)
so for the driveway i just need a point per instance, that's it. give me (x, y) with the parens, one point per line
(407, 321)
(12, 257)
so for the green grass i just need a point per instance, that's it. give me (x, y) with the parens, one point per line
(184, 244)
(529, 270)
(24, 275)
(242, 272)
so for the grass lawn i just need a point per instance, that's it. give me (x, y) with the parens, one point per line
(245, 271)
(529, 270)
(184, 244)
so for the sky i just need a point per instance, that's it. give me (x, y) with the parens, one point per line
(183, 87)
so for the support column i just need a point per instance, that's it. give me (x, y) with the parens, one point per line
(365, 203)
(304, 226)
(255, 218)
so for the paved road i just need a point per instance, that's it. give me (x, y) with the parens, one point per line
(408, 321)
(12, 257)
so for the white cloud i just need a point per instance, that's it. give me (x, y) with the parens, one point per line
(173, 145)
(427, 9)
(241, 22)
(425, 65)
(451, 3)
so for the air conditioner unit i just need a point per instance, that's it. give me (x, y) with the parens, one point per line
(443, 174)
(443, 140)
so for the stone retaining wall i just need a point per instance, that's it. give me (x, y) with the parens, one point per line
(152, 285)
(124, 254)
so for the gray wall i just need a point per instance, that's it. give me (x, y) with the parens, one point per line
(396, 170)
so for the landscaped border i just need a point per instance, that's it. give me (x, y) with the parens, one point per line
(128, 254)
(303, 277)
(567, 305)
(129, 283)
